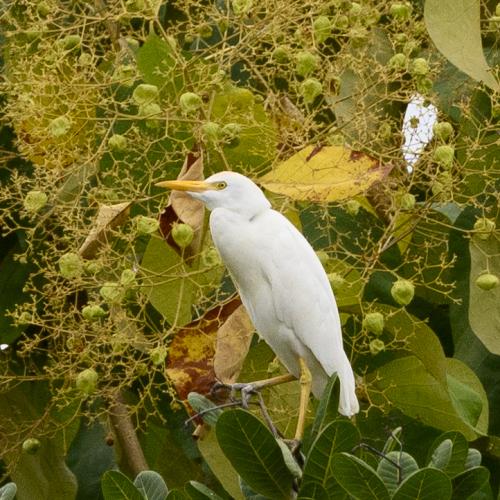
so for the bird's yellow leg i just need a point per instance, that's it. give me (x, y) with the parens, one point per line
(305, 391)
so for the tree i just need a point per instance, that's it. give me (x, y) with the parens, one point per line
(111, 316)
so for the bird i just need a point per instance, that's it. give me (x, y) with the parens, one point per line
(280, 280)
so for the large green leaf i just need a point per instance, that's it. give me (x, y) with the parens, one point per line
(484, 313)
(392, 475)
(117, 486)
(336, 437)
(357, 478)
(470, 482)
(458, 36)
(312, 491)
(454, 447)
(167, 282)
(151, 485)
(425, 484)
(254, 453)
(219, 464)
(198, 491)
(407, 384)
(467, 394)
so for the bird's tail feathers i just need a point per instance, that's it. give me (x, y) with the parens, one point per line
(348, 401)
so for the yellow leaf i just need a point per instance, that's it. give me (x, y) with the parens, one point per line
(324, 174)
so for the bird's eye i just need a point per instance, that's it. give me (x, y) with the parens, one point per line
(221, 185)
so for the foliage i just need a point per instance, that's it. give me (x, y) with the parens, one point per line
(108, 319)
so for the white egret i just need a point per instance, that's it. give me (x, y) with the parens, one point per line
(281, 283)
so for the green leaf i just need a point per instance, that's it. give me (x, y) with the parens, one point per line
(151, 485)
(14, 275)
(254, 453)
(466, 484)
(425, 484)
(473, 459)
(328, 407)
(336, 437)
(156, 62)
(458, 37)
(407, 384)
(219, 464)
(166, 283)
(313, 491)
(200, 403)
(455, 462)
(117, 486)
(484, 313)
(358, 478)
(467, 394)
(390, 474)
(8, 491)
(198, 491)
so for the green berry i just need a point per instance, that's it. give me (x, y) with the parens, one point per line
(443, 155)
(385, 131)
(117, 142)
(93, 312)
(322, 27)
(71, 265)
(158, 355)
(400, 11)
(112, 292)
(376, 346)
(190, 102)
(125, 74)
(356, 10)
(92, 267)
(310, 89)
(211, 131)
(127, 278)
(231, 134)
(281, 55)
(487, 281)
(352, 207)
(306, 63)
(182, 234)
(43, 8)
(152, 112)
(86, 381)
(443, 130)
(336, 280)
(336, 139)
(424, 85)
(211, 258)
(341, 22)
(35, 201)
(70, 42)
(145, 94)
(205, 30)
(398, 61)
(146, 225)
(419, 67)
(133, 6)
(497, 9)
(31, 446)
(402, 292)
(374, 323)
(484, 228)
(241, 6)
(407, 201)
(59, 126)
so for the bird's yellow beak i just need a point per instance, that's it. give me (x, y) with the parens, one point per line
(193, 186)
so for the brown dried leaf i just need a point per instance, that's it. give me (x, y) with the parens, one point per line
(183, 208)
(233, 342)
(108, 217)
(191, 353)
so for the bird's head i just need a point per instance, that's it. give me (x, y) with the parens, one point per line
(227, 190)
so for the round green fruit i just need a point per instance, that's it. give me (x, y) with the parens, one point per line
(35, 201)
(190, 102)
(31, 446)
(419, 67)
(117, 142)
(443, 130)
(182, 234)
(127, 278)
(112, 292)
(86, 381)
(211, 131)
(71, 265)
(59, 126)
(322, 28)
(305, 63)
(374, 323)
(487, 281)
(407, 201)
(281, 55)
(484, 228)
(158, 355)
(398, 61)
(336, 280)
(443, 155)
(400, 11)
(145, 94)
(310, 89)
(146, 225)
(93, 312)
(376, 346)
(402, 292)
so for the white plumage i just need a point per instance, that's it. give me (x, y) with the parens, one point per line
(280, 280)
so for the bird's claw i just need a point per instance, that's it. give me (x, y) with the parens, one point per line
(246, 389)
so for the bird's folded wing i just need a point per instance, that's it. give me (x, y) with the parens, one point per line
(302, 295)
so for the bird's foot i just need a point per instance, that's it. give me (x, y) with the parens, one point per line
(246, 389)
(294, 445)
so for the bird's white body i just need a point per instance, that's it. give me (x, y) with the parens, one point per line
(281, 283)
